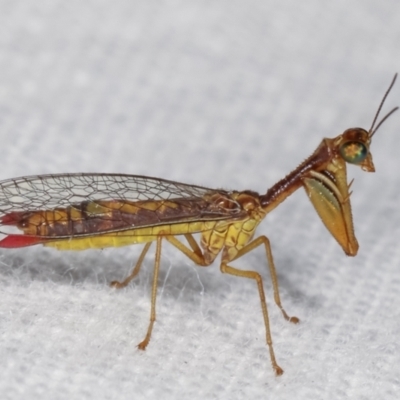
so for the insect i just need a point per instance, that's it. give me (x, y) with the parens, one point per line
(82, 211)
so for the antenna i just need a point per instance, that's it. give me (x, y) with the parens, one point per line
(372, 130)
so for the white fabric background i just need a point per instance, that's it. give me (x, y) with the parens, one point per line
(228, 94)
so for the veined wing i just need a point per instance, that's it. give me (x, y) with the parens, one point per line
(46, 192)
(71, 205)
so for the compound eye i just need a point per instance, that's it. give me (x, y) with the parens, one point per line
(354, 152)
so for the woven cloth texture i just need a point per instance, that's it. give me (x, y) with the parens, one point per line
(227, 94)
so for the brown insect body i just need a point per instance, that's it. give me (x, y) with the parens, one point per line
(81, 211)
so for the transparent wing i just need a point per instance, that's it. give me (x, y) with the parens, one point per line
(46, 192)
(69, 205)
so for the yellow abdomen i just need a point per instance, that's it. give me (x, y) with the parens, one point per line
(129, 237)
